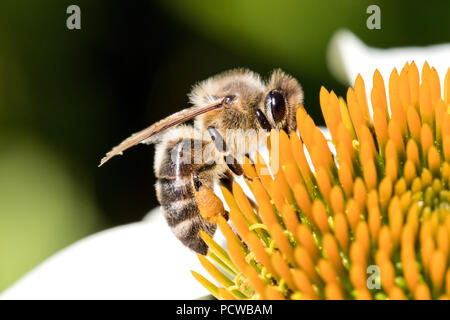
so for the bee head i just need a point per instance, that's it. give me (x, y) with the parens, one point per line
(282, 98)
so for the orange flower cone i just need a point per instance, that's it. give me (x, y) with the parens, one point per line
(370, 220)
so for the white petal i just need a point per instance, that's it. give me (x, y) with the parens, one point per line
(141, 260)
(348, 56)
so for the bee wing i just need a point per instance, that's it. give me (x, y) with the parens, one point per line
(158, 127)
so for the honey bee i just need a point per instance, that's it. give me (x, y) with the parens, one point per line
(235, 101)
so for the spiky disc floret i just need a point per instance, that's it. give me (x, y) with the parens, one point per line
(370, 220)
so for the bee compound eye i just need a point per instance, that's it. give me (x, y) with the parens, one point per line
(276, 103)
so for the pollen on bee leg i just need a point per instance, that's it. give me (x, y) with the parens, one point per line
(209, 205)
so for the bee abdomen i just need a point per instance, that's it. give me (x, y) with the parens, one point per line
(169, 190)
(188, 232)
(180, 211)
(182, 215)
(175, 193)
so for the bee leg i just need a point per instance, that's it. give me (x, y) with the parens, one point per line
(263, 122)
(236, 167)
(209, 205)
(216, 137)
(233, 165)
(196, 181)
(227, 181)
(230, 160)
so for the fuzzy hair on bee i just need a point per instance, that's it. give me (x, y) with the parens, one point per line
(228, 110)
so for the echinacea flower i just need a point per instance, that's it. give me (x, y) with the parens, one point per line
(130, 261)
(368, 218)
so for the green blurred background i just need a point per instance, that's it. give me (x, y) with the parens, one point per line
(67, 96)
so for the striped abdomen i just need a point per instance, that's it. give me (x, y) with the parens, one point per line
(175, 192)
